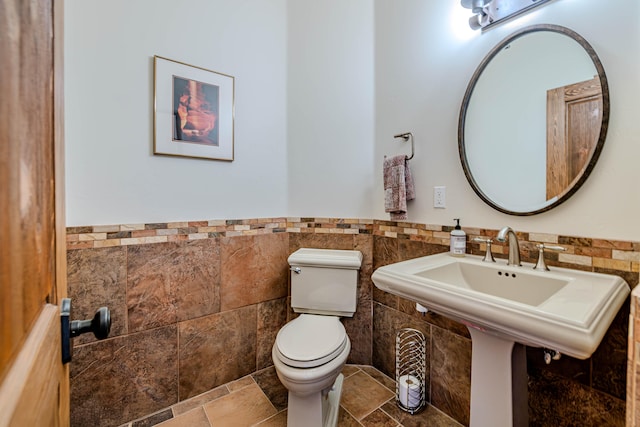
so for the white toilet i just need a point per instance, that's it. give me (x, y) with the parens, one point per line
(311, 350)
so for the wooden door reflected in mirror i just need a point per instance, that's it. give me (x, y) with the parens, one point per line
(574, 114)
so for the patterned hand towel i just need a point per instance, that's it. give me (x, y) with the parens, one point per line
(398, 186)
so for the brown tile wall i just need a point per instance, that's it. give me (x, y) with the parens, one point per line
(633, 362)
(197, 304)
(193, 305)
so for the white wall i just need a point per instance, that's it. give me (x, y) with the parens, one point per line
(112, 176)
(321, 88)
(317, 57)
(425, 56)
(331, 108)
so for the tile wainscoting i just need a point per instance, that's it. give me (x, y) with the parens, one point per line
(633, 362)
(198, 304)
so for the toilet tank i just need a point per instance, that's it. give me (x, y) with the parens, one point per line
(324, 281)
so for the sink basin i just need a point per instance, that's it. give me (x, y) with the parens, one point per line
(504, 307)
(562, 309)
(516, 286)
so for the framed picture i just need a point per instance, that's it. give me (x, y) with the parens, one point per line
(193, 111)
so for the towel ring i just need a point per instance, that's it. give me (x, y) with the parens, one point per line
(406, 136)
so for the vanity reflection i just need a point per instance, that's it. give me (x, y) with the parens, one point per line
(533, 120)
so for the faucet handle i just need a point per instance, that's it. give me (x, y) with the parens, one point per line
(488, 256)
(541, 265)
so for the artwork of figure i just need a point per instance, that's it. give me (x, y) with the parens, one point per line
(196, 107)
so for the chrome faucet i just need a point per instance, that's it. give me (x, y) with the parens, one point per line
(514, 247)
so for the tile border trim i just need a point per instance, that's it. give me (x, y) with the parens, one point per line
(582, 252)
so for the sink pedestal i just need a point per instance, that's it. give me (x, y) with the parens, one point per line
(498, 381)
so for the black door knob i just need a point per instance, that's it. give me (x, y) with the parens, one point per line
(100, 325)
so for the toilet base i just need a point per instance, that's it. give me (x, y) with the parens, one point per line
(317, 409)
(332, 404)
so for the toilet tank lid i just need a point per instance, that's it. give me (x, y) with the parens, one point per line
(334, 258)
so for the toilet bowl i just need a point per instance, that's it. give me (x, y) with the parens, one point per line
(308, 355)
(310, 351)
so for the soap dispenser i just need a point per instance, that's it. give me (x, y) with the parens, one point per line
(458, 245)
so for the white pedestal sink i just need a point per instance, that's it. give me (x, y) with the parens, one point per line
(503, 307)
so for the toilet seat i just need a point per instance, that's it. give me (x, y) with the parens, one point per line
(311, 340)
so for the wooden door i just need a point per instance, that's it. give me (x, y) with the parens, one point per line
(574, 117)
(34, 384)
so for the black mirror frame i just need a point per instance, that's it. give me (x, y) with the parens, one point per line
(603, 128)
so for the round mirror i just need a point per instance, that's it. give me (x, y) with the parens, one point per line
(533, 120)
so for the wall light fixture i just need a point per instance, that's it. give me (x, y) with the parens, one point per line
(480, 17)
(489, 13)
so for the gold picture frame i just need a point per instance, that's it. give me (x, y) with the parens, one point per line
(193, 111)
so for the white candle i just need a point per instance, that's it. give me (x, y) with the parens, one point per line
(409, 388)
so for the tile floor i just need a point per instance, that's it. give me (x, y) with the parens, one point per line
(368, 400)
